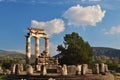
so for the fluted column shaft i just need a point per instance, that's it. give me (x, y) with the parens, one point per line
(28, 48)
(47, 46)
(37, 49)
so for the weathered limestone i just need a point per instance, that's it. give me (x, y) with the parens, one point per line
(13, 68)
(95, 69)
(101, 67)
(21, 67)
(43, 70)
(7, 71)
(28, 49)
(17, 69)
(41, 58)
(38, 67)
(47, 46)
(51, 79)
(106, 68)
(37, 50)
(37, 34)
(29, 70)
(71, 70)
(78, 70)
(84, 69)
(64, 70)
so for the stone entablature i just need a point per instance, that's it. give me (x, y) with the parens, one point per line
(36, 32)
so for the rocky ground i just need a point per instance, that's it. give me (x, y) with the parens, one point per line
(80, 77)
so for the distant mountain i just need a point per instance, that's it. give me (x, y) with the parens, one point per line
(98, 51)
(111, 52)
(102, 51)
(11, 53)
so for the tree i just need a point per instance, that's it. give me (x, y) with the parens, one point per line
(75, 50)
(113, 63)
(7, 61)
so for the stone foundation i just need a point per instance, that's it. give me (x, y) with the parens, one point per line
(81, 77)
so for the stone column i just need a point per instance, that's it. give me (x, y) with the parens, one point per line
(47, 46)
(37, 50)
(101, 67)
(28, 49)
(29, 70)
(78, 71)
(106, 68)
(21, 67)
(43, 70)
(13, 68)
(84, 69)
(95, 69)
(17, 69)
(64, 70)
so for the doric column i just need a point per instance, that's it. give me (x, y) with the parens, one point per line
(37, 49)
(28, 49)
(47, 46)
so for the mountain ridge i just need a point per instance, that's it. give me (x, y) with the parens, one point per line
(111, 52)
(11, 53)
(107, 51)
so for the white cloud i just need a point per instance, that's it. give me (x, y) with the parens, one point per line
(53, 49)
(54, 26)
(84, 16)
(113, 30)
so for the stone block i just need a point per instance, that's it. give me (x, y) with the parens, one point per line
(71, 69)
(78, 70)
(13, 68)
(17, 69)
(29, 70)
(43, 70)
(64, 70)
(95, 69)
(101, 67)
(84, 69)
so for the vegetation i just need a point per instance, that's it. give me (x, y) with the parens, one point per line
(109, 52)
(113, 63)
(75, 50)
(2, 77)
(7, 61)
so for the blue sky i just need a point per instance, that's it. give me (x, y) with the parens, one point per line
(97, 21)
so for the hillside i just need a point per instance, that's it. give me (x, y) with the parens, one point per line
(98, 51)
(106, 51)
(102, 51)
(11, 53)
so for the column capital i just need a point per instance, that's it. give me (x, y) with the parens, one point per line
(28, 35)
(28, 48)
(36, 37)
(46, 37)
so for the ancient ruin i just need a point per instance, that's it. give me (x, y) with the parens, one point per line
(48, 68)
(40, 58)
